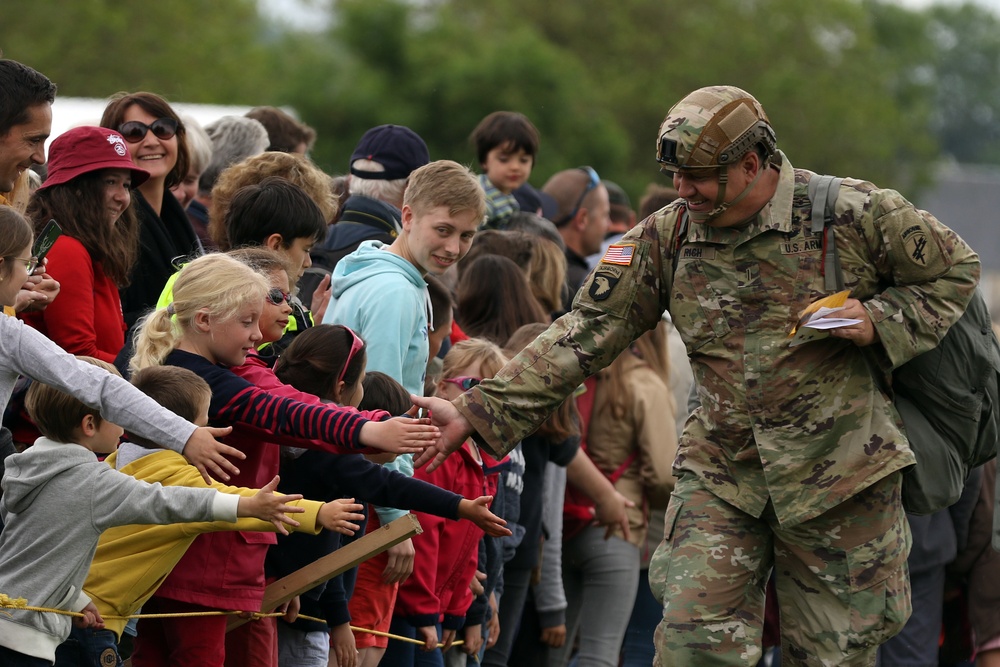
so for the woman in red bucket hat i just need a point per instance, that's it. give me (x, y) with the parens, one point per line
(88, 192)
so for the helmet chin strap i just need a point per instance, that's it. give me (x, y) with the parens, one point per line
(720, 205)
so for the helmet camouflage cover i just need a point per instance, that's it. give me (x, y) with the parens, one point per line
(713, 127)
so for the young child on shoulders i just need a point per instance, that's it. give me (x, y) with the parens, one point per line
(132, 561)
(433, 602)
(506, 144)
(329, 362)
(211, 326)
(58, 498)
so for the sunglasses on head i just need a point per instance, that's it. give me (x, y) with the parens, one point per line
(135, 131)
(276, 296)
(593, 180)
(465, 382)
(356, 345)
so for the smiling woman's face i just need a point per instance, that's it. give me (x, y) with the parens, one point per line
(157, 156)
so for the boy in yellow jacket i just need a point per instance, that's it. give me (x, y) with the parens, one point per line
(132, 561)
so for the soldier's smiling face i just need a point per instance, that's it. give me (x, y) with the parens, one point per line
(700, 188)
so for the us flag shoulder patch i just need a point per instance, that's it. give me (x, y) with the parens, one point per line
(619, 253)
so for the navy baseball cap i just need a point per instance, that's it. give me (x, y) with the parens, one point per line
(397, 148)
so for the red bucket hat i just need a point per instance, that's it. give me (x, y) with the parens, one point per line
(84, 149)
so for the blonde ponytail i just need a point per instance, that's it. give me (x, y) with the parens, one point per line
(217, 284)
(156, 337)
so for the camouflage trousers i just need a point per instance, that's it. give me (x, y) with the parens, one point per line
(841, 578)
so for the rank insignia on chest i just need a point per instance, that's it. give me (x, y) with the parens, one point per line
(619, 253)
(603, 283)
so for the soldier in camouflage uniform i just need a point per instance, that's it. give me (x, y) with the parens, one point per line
(793, 461)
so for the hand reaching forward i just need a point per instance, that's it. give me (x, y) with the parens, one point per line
(338, 515)
(400, 435)
(208, 455)
(478, 512)
(454, 428)
(266, 505)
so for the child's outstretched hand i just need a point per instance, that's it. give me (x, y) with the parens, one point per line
(400, 435)
(208, 455)
(266, 505)
(337, 515)
(478, 512)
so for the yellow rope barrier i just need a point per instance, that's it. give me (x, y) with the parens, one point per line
(7, 602)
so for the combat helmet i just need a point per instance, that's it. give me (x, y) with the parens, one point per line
(712, 128)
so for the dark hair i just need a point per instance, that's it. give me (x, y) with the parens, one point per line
(442, 301)
(515, 246)
(177, 389)
(57, 413)
(315, 359)
(384, 393)
(22, 88)
(284, 132)
(495, 299)
(154, 105)
(15, 236)
(78, 206)
(272, 206)
(503, 128)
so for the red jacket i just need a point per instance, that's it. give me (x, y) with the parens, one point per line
(447, 551)
(86, 317)
(226, 570)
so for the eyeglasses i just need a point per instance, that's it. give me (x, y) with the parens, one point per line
(593, 181)
(276, 296)
(356, 345)
(135, 131)
(465, 382)
(29, 262)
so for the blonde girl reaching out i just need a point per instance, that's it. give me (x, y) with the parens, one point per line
(211, 327)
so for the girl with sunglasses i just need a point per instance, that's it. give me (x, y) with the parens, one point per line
(210, 328)
(157, 141)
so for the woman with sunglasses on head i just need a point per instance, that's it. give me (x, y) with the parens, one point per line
(156, 140)
(88, 192)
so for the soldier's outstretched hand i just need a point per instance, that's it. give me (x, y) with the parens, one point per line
(454, 428)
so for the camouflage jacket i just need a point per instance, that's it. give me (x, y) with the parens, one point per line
(804, 427)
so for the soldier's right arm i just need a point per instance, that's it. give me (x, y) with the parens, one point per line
(623, 297)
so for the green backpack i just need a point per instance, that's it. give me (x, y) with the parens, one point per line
(948, 397)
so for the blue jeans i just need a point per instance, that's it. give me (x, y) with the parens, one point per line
(405, 654)
(87, 647)
(637, 649)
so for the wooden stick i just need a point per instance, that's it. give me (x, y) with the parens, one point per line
(337, 562)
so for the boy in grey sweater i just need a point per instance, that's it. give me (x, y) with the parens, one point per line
(57, 500)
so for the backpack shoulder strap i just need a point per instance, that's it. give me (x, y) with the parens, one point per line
(823, 189)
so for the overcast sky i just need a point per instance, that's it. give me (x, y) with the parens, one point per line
(312, 13)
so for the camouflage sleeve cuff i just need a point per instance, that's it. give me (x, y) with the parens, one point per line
(483, 436)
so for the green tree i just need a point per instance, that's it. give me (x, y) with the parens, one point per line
(190, 50)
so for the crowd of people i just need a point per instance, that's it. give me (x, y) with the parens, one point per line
(231, 363)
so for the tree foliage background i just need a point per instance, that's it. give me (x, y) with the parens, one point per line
(859, 87)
